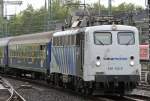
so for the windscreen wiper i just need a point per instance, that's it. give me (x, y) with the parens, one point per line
(100, 42)
(129, 41)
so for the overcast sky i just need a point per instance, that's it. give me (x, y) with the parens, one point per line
(11, 10)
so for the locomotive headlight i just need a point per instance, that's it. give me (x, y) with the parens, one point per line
(132, 63)
(98, 63)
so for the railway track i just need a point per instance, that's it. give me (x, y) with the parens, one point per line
(137, 98)
(144, 87)
(8, 93)
(16, 97)
(123, 98)
(94, 98)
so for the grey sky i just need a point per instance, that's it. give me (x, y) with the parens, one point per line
(38, 3)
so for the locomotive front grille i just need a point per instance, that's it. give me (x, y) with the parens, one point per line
(119, 78)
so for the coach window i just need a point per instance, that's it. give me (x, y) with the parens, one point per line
(58, 41)
(69, 40)
(57, 38)
(54, 42)
(42, 47)
(0, 53)
(126, 38)
(66, 40)
(102, 38)
(78, 39)
(16, 51)
(72, 39)
(62, 40)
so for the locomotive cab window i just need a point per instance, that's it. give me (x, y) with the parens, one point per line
(126, 38)
(102, 38)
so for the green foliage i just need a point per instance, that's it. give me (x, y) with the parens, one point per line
(123, 7)
(2, 22)
(95, 7)
(32, 21)
(59, 12)
(128, 8)
(28, 21)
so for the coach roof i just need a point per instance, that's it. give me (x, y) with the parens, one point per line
(4, 41)
(43, 37)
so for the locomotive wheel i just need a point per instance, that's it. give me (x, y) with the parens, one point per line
(78, 90)
(48, 80)
(86, 91)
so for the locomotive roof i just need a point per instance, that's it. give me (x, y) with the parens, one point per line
(109, 27)
(67, 32)
(43, 37)
(4, 41)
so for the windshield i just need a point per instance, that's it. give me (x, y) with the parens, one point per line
(102, 38)
(126, 38)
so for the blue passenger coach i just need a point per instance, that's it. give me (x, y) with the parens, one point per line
(4, 51)
(30, 53)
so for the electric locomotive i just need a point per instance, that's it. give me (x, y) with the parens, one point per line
(102, 59)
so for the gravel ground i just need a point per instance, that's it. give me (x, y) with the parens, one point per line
(36, 93)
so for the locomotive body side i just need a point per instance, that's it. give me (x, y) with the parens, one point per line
(67, 54)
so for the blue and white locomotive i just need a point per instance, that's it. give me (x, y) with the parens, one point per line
(102, 58)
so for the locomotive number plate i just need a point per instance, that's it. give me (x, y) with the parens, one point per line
(115, 68)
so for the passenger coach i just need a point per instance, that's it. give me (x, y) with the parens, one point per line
(4, 52)
(30, 54)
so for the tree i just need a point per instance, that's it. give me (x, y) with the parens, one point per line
(2, 23)
(28, 21)
(32, 21)
(59, 12)
(123, 7)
